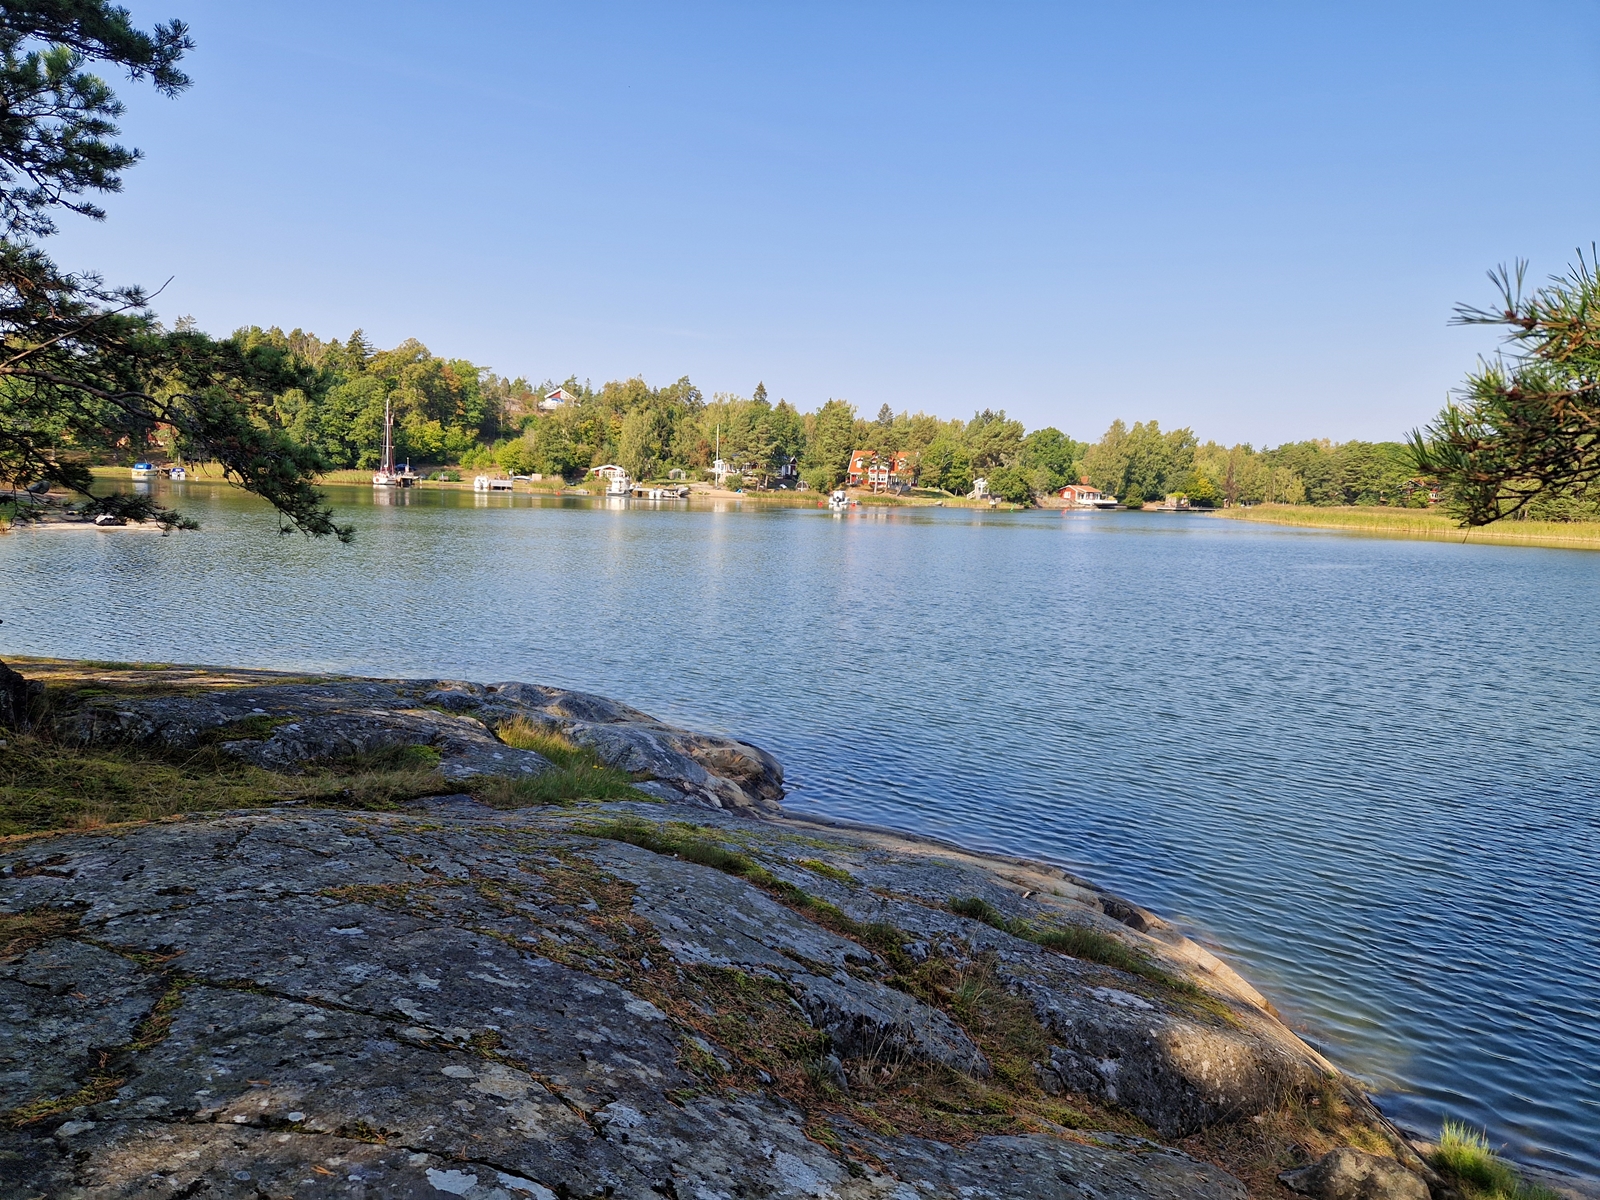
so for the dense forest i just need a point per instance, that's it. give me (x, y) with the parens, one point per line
(450, 411)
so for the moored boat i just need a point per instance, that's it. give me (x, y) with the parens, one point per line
(144, 470)
(386, 475)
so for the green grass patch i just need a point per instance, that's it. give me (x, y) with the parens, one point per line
(523, 734)
(693, 843)
(562, 785)
(827, 870)
(1076, 941)
(247, 729)
(579, 774)
(1464, 1155)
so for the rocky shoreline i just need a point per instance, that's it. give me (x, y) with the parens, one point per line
(680, 992)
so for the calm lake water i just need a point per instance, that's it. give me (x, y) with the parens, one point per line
(1364, 770)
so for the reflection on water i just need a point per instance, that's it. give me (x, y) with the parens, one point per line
(1364, 768)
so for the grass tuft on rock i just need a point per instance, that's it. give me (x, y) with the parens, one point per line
(1077, 941)
(579, 774)
(563, 785)
(1091, 945)
(827, 870)
(1465, 1156)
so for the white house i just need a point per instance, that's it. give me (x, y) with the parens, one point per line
(554, 399)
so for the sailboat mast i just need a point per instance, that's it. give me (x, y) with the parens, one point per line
(388, 437)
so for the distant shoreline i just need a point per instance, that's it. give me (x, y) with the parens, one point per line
(922, 498)
(1427, 524)
(1421, 523)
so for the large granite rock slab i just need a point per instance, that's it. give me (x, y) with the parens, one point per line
(465, 1002)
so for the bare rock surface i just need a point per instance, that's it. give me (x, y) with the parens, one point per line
(326, 1003)
(1351, 1174)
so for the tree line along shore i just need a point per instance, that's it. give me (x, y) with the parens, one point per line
(450, 414)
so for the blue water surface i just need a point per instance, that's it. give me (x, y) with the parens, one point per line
(1364, 770)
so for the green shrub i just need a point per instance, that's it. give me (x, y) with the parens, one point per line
(1010, 483)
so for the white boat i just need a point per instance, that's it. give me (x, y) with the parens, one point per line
(144, 470)
(839, 501)
(488, 483)
(386, 475)
(617, 481)
(177, 473)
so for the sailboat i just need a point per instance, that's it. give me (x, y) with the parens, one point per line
(386, 475)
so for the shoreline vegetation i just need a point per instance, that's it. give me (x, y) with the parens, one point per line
(1425, 524)
(977, 1061)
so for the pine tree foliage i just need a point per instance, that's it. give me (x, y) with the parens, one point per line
(82, 365)
(1526, 428)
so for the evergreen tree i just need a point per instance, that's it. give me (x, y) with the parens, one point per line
(87, 365)
(1527, 427)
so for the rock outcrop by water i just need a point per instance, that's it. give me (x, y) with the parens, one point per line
(320, 719)
(623, 999)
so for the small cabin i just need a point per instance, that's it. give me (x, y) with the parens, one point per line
(1083, 495)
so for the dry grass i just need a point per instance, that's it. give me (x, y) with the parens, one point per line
(1432, 524)
(1298, 1131)
(46, 784)
(21, 932)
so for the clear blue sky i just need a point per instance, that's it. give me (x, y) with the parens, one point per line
(1250, 219)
